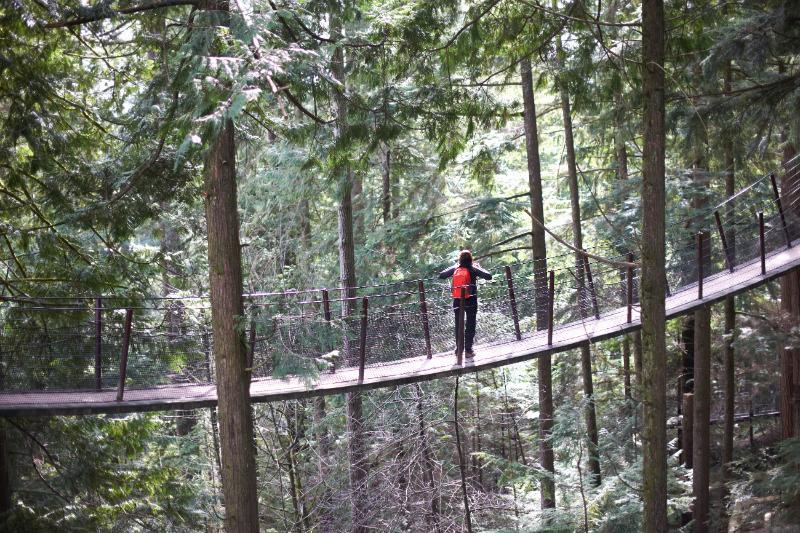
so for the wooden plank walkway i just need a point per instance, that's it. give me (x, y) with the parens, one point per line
(410, 370)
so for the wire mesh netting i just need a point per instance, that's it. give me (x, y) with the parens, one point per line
(49, 344)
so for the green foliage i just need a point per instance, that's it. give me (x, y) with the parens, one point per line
(106, 126)
(109, 474)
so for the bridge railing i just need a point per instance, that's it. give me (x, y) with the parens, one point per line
(78, 345)
(50, 343)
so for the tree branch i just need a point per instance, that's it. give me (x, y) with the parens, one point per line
(111, 13)
(466, 26)
(500, 252)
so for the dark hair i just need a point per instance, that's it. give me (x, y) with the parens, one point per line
(465, 258)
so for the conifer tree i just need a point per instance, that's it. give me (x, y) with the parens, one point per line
(654, 468)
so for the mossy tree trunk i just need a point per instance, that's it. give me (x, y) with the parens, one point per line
(654, 353)
(590, 412)
(539, 252)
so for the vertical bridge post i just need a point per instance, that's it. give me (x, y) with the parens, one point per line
(513, 302)
(326, 305)
(423, 309)
(363, 344)
(551, 290)
(590, 282)
(98, 343)
(326, 311)
(725, 249)
(123, 356)
(460, 327)
(762, 245)
(780, 210)
(700, 261)
(629, 288)
(251, 354)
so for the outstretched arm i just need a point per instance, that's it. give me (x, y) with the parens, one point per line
(447, 272)
(480, 272)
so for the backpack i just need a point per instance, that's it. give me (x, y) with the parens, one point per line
(461, 278)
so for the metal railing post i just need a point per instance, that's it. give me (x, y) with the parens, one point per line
(629, 288)
(123, 357)
(780, 210)
(363, 344)
(423, 309)
(326, 305)
(98, 343)
(725, 249)
(762, 244)
(590, 283)
(251, 354)
(700, 260)
(513, 302)
(551, 290)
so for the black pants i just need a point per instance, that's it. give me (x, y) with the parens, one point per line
(471, 312)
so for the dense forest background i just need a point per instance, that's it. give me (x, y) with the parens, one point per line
(372, 141)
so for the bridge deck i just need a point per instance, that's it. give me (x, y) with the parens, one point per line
(412, 369)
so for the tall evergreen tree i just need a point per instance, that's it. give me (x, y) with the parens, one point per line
(539, 253)
(654, 467)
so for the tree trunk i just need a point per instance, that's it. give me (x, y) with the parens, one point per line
(687, 400)
(233, 380)
(5, 474)
(386, 169)
(432, 518)
(461, 465)
(730, 382)
(237, 447)
(790, 304)
(324, 453)
(702, 414)
(590, 413)
(544, 364)
(637, 360)
(212, 411)
(476, 460)
(701, 361)
(653, 280)
(347, 270)
(730, 302)
(621, 154)
(185, 420)
(686, 382)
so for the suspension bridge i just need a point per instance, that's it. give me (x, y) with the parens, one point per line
(113, 354)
